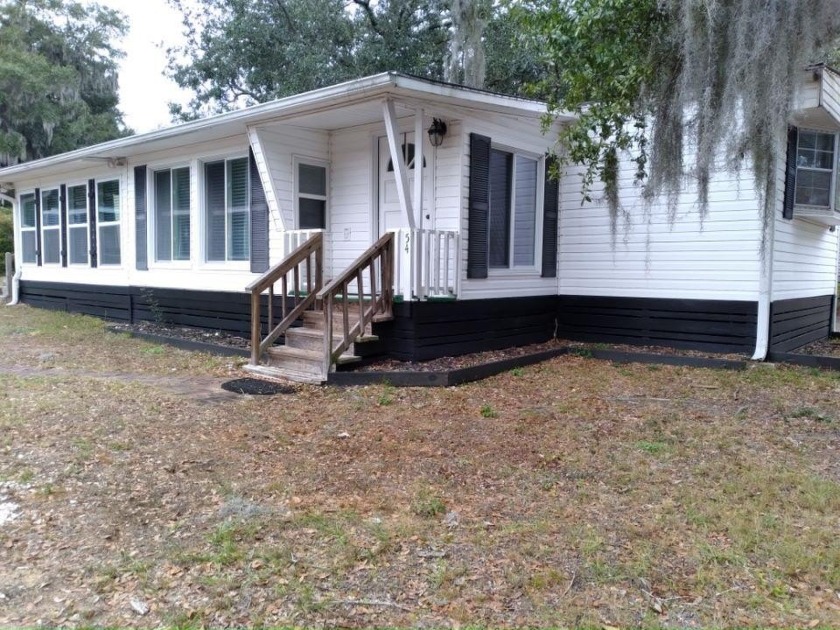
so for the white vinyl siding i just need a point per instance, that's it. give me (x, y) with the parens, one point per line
(28, 227)
(50, 227)
(278, 148)
(654, 250)
(108, 221)
(352, 193)
(77, 224)
(171, 200)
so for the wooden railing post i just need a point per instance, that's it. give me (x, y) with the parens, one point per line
(256, 332)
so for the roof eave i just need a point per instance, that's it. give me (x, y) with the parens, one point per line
(341, 94)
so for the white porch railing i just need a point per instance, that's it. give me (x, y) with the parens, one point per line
(426, 263)
(292, 239)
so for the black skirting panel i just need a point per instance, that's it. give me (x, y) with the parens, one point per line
(796, 323)
(428, 330)
(216, 310)
(711, 325)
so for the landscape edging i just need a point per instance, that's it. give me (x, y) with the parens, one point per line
(459, 376)
(807, 360)
(184, 344)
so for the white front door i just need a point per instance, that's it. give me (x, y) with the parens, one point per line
(391, 216)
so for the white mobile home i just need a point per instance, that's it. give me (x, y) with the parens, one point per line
(417, 217)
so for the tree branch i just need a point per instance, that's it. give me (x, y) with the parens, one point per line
(286, 15)
(374, 24)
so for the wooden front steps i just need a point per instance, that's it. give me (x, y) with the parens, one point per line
(308, 354)
(302, 357)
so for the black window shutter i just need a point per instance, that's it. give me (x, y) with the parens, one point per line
(259, 219)
(92, 220)
(62, 208)
(38, 226)
(551, 200)
(140, 218)
(790, 173)
(479, 206)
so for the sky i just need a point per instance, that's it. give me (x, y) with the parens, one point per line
(144, 91)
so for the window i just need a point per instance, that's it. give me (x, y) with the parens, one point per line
(108, 221)
(50, 228)
(312, 197)
(77, 220)
(28, 226)
(513, 210)
(408, 157)
(172, 214)
(814, 168)
(227, 203)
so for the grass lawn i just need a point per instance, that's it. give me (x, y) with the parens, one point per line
(570, 493)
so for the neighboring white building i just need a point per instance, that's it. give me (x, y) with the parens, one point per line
(180, 221)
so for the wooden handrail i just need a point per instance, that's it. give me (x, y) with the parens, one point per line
(349, 274)
(287, 264)
(302, 255)
(381, 296)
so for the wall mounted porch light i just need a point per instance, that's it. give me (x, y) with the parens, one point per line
(436, 132)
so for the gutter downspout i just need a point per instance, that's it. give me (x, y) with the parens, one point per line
(15, 288)
(765, 294)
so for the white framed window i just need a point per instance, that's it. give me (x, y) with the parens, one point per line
(815, 161)
(50, 227)
(108, 221)
(514, 226)
(78, 237)
(311, 185)
(227, 210)
(171, 195)
(28, 228)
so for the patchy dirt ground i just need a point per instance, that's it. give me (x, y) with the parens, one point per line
(572, 492)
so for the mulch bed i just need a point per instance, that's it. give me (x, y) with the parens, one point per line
(442, 371)
(188, 333)
(824, 347)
